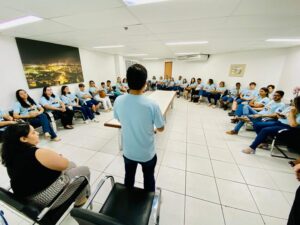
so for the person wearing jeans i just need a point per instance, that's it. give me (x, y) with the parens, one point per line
(289, 118)
(138, 115)
(26, 108)
(70, 100)
(148, 171)
(268, 111)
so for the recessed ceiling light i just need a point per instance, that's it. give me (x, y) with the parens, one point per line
(137, 54)
(187, 53)
(187, 43)
(110, 46)
(141, 2)
(283, 40)
(19, 22)
(150, 58)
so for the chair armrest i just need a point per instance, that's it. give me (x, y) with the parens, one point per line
(57, 198)
(93, 195)
(90, 217)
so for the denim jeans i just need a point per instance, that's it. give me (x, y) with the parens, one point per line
(267, 131)
(248, 110)
(216, 97)
(227, 99)
(86, 111)
(42, 120)
(148, 171)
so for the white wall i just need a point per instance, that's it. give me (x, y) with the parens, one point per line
(290, 77)
(264, 67)
(95, 66)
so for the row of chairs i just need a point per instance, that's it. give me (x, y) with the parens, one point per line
(123, 206)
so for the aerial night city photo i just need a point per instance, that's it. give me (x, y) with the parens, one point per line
(48, 64)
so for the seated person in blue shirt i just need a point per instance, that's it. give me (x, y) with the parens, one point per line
(171, 85)
(256, 104)
(26, 109)
(177, 84)
(208, 89)
(86, 98)
(54, 105)
(109, 90)
(195, 91)
(232, 95)
(182, 87)
(125, 84)
(288, 119)
(5, 121)
(72, 102)
(192, 85)
(269, 111)
(216, 95)
(246, 95)
(160, 83)
(138, 115)
(119, 86)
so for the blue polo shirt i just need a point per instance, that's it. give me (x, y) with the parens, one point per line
(138, 115)
(53, 101)
(23, 111)
(285, 112)
(69, 99)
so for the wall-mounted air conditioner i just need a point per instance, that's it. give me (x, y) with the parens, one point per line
(194, 57)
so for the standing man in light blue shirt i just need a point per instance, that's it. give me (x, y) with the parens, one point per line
(138, 115)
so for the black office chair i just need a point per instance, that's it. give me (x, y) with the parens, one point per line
(122, 207)
(49, 215)
(285, 138)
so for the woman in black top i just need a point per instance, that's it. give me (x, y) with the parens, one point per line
(33, 171)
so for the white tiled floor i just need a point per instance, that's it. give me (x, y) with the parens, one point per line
(203, 174)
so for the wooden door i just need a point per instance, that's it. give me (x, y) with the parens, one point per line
(168, 70)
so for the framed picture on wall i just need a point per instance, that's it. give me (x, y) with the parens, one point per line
(48, 64)
(237, 70)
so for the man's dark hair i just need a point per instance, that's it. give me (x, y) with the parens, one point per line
(81, 85)
(136, 76)
(252, 83)
(238, 83)
(271, 85)
(108, 81)
(199, 79)
(102, 83)
(281, 93)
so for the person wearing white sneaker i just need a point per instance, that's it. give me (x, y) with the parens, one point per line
(288, 119)
(72, 101)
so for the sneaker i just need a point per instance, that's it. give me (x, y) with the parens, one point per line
(86, 122)
(231, 132)
(248, 151)
(210, 104)
(214, 106)
(95, 121)
(47, 135)
(97, 113)
(56, 139)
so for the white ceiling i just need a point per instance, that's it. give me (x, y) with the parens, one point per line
(228, 25)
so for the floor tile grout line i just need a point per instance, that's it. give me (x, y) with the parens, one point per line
(247, 185)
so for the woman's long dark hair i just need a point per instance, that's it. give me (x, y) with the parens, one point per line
(44, 93)
(193, 80)
(266, 90)
(22, 102)
(63, 90)
(12, 144)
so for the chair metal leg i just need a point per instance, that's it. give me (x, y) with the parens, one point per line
(154, 216)
(283, 154)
